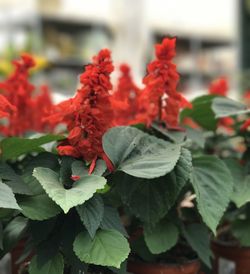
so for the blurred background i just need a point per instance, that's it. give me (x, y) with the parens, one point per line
(65, 34)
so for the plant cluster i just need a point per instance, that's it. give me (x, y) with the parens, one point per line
(137, 171)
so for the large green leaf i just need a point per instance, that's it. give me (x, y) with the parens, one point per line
(198, 238)
(53, 266)
(108, 248)
(91, 214)
(224, 107)
(241, 193)
(139, 154)
(13, 147)
(161, 237)
(13, 180)
(81, 191)
(7, 198)
(213, 185)
(241, 230)
(39, 207)
(202, 112)
(150, 200)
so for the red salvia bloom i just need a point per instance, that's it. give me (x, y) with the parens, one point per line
(160, 98)
(89, 114)
(245, 125)
(6, 108)
(125, 99)
(42, 106)
(19, 92)
(219, 87)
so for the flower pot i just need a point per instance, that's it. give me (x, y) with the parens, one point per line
(191, 267)
(230, 259)
(15, 255)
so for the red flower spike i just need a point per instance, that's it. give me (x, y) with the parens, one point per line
(219, 87)
(20, 93)
(89, 114)
(160, 99)
(125, 98)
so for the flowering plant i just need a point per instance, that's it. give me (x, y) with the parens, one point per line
(125, 155)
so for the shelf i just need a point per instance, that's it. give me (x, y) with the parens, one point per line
(205, 42)
(74, 24)
(68, 63)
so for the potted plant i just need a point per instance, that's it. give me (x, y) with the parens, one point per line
(109, 170)
(159, 229)
(231, 245)
(229, 141)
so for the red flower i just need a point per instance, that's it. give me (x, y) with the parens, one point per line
(227, 123)
(89, 114)
(246, 125)
(160, 98)
(19, 92)
(6, 108)
(219, 87)
(125, 98)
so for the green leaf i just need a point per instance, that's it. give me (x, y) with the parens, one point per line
(13, 232)
(13, 147)
(139, 154)
(108, 248)
(224, 107)
(81, 191)
(161, 237)
(112, 221)
(7, 198)
(213, 185)
(196, 135)
(241, 193)
(13, 180)
(91, 214)
(198, 238)
(39, 207)
(202, 112)
(150, 200)
(53, 266)
(240, 230)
